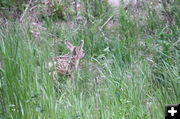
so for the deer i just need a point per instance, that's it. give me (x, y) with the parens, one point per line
(68, 63)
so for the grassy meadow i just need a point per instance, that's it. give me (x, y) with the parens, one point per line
(131, 67)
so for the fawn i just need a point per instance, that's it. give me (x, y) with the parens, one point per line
(66, 64)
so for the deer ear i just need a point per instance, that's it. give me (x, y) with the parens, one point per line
(82, 43)
(69, 45)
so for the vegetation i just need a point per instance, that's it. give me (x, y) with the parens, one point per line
(131, 67)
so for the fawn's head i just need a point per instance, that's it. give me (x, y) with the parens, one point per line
(76, 51)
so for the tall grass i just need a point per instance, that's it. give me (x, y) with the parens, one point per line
(130, 73)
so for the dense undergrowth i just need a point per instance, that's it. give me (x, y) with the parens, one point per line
(130, 70)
